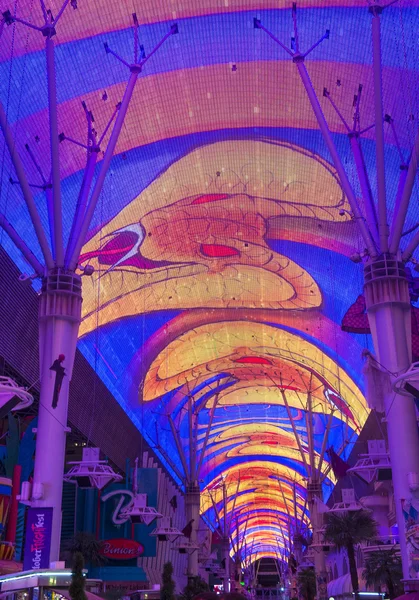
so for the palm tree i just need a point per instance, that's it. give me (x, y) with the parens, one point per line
(78, 581)
(167, 590)
(384, 567)
(304, 540)
(88, 546)
(196, 585)
(346, 530)
(306, 579)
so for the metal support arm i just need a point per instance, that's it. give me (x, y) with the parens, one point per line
(411, 247)
(135, 70)
(207, 434)
(27, 194)
(180, 450)
(103, 169)
(379, 129)
(343, 178)
(324, 443)
(402, 208)
(354, 138)
(298, 59)
(55, 154)
(82, 201)
(294, 429)
(370, 212)
(20, 244)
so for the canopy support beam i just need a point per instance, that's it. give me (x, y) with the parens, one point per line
(21, 245)
(299, 61)
(26, 190)
(379, 128)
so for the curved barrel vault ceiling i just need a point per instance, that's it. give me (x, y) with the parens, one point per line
(222, 238)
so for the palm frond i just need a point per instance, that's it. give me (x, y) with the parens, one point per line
(306, 580)
(87, 545)
(351, 527)
(382, 565)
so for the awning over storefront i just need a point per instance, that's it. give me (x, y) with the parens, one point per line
(342, 586)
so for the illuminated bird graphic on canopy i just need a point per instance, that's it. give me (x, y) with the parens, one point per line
(222, 257)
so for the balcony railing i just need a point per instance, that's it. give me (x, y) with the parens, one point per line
(383, 543)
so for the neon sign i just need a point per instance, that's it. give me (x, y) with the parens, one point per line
(121, 549)
(38, 538)
(125, 503)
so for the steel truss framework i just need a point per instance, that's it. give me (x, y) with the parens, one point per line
(189, 474)
(386, 287)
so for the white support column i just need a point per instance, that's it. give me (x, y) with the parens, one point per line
(389, 312)
(192, 506)
(59, 319)
(226, 540)
(226, 558)
(193, 492)
(314, 490)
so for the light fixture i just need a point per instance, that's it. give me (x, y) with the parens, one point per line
(187, 547)
(210, 562)
(27, 575)
(91, 472)
(164, 530)
(372, 594)
(375, 465)
(137, 511)
(349, 503)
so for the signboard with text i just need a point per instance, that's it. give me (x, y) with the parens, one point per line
(37, 538)
(121, 549)
(127, 586)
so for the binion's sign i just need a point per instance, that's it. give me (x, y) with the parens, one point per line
(37, 539)
(121, 549)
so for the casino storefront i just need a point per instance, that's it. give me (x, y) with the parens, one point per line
(130, 558)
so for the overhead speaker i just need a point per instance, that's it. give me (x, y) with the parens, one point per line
(384, 475)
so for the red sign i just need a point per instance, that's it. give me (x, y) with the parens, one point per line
(121, 549)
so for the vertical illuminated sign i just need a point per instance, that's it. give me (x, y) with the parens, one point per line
(37, 539)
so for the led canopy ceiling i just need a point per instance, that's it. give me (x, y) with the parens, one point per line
(221, 243)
